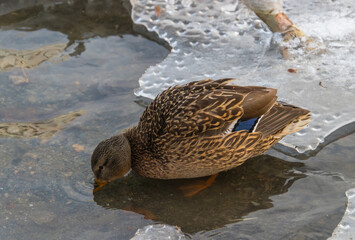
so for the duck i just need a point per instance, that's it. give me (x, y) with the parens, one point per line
(198, 129)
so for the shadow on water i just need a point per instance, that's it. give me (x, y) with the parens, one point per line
(233, 195)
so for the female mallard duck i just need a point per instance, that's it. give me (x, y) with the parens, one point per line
(198, 129)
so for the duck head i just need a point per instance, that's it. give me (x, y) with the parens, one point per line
(111, 159)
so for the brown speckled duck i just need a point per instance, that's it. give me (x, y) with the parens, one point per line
(198, 129)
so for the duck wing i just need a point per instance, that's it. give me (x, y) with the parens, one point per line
(283, 119)
(203, 108)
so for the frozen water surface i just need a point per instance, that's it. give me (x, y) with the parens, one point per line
(346, 228)
(159, 232)
(218, 39)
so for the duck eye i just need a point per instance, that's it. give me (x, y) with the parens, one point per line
(101, 167)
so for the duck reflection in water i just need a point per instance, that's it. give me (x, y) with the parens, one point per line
(233, 195)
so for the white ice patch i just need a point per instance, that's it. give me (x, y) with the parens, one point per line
(223, 38)
(346, 227)
(159, 232)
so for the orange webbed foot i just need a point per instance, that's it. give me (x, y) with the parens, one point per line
(193, 189)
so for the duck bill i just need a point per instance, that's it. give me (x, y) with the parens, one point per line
(99, 184)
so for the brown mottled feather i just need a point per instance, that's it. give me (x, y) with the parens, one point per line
(280, 116)
(182, 133)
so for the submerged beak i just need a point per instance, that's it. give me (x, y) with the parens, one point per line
(101, 183)
(98, 185)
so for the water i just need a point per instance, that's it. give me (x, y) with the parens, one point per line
(68, 82)
(46, 180)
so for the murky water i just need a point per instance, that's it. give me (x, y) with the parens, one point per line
(67, 74)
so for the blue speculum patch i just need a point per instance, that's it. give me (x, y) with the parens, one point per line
(246, 125)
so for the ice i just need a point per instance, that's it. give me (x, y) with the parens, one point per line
(346, 227)
(159, 232)
(217, 39)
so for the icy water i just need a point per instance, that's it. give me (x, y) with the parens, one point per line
(68, 71)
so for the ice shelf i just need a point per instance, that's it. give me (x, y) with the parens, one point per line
(346, 227)
(223, 38)
(159, 232)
